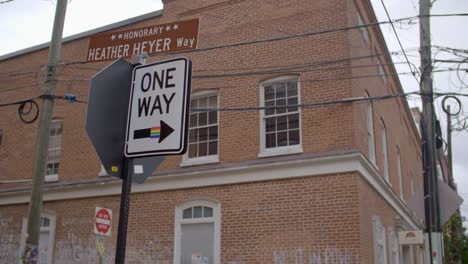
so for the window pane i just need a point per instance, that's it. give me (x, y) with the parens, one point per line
(203, 118)
(193, 120)
(270, 124)
(212, 117)
(293, 121)
(294, 137)
(281, 102)
(270, 140)
(187, 213)
(269, 93)
(203, 134)
(269, 111)
(213, 133)
(197, 212)
(282, 139)
(203, 103)
(213, 101)
(213, 148)
(194, 104)
(193, 135)
(207, 211)
(193, 149)
(281, 90)
(282, 123)
(203, 149)
(292, 89)
(292, 101)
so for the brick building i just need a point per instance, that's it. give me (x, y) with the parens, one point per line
(287, 185)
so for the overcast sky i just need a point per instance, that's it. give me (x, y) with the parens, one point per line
(26, 23)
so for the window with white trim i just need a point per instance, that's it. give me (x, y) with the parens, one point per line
(393, 248)
(46, 238)
(400, 176)
(280, 128)
(385, 152)
(370, 130)
(53, 152)
(412, 185)
(197, 233)
(363, 29)
(380, 251)
(203, 130)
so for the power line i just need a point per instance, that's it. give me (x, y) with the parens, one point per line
(399, 42)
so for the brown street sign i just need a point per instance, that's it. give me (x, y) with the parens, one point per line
(170, 37)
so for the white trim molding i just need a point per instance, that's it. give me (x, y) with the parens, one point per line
(252, 171)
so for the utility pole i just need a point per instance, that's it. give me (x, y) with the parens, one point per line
(433, 217)
(31, 250)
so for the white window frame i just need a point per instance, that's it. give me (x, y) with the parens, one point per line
(54, 177)
(385, 152)
(370, 131)
(50, 229)
(363, 30)
(179, 221)
(186, 161)
(379, 238)
(284, 150)
(400, 176)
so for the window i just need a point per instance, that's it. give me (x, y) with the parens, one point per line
(400, 177)
(363, 29)
(370, 131)
(380, 252)
(382, 73)
(393, 248)
(385, 152)
(197, 233)
(280, 128)
(203, 130)
(46, 238)
(412, 185)
(53, 154)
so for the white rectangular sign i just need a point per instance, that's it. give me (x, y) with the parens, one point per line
(159, 108)
(411, 237)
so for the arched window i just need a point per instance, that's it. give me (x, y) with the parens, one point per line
(280, 122)
(385, 151)
(393, 247)
(380, 251)
(400, 176)
(197, 237)
(370, 130)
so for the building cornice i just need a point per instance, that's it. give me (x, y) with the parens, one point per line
(275, 169)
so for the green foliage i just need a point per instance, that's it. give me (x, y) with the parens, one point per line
(455, 240)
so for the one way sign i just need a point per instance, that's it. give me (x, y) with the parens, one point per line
(159, 108)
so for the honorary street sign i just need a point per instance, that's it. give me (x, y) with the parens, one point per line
(103, 221)
(170, 37)
(159, 107)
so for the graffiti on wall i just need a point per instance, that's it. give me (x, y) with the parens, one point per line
(329, 255)
(9, 240)
(74, 249)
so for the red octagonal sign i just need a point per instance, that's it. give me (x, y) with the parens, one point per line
(103, 221)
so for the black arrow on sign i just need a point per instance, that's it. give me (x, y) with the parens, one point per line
(161, 132)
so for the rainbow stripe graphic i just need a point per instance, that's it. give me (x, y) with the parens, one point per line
(155, 132)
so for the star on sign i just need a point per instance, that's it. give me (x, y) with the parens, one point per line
(168, 28)
(120, 36)
(176, 27)
(113, 37)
